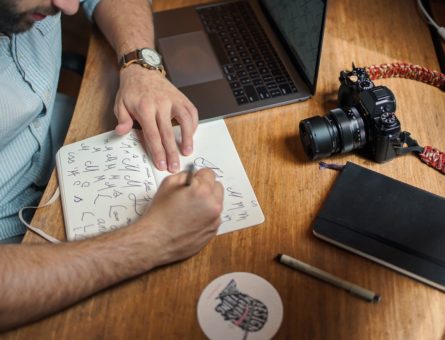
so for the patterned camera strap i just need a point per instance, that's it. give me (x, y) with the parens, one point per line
(429, 155)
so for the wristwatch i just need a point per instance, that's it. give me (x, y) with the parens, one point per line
(146, 57)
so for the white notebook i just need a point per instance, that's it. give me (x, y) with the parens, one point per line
(107, 181)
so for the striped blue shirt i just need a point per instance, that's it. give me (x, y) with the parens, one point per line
(29, 74)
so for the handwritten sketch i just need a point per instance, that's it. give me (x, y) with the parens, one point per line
(200, 163)
(113, 178)
(242, 310)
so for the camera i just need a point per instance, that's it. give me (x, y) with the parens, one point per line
(365, 119)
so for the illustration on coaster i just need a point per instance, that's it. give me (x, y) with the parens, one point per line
(240, 306)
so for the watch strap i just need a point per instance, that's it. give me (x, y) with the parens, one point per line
(130, 58)
(135, 57)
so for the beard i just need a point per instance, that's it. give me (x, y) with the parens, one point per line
(12, 21)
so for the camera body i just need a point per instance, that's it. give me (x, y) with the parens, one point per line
(364, 119)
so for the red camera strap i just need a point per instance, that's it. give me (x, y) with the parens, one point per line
(404, 70)
(429, 155)
(434, 158)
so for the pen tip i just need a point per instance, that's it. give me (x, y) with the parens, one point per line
(376, 298)
(278, 257)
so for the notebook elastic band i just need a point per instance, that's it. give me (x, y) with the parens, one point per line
(36, 230)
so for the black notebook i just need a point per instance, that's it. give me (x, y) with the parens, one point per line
(387, 221)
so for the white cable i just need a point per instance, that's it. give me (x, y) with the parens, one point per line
(440, 30)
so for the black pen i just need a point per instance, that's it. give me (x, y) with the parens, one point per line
(190, 172)
(329, 278)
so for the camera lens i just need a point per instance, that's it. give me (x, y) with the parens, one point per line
(340, 131)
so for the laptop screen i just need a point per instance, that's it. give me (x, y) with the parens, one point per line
(300, 24)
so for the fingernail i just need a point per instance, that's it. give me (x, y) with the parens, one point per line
(188, 150)
(174, 167)
(162, 165)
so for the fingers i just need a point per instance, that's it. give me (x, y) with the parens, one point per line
(124, 119)
(208, 177)
(154, 102)
(205, 175)
(186, 135)
(187, 117)
(201, 177)
(158, 132)
(153, 141)
(168, 138)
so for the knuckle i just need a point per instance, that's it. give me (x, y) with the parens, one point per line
(169, 180)
(217, 208)
(172, 154)
(218, 223)
(163, 103)
(155, 152)
(193, 110)
(203, 191)
(144, 104)
(167, 133)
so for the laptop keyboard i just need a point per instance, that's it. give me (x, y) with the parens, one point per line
(249, 62)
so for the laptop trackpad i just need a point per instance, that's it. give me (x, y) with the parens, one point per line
(189, 59)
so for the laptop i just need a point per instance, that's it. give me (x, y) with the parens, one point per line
(235, 57)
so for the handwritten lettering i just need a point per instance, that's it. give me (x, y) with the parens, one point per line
(225, 218)
(73, 172)
(128, 166)
(108, 185)
(99, 196)
(116, 193)
(148, 185)
(89, 166)
(201, 163)
(233, 193)
(131, 182)
(86, 213)
(242, 216)
(136, 203)
(99, 178)
(134, 138)
(110, 158)
(71, 157)
(81, 184)
(113, 212)
(238, 205)
(84, 147)
(109, 166)
(77, 199)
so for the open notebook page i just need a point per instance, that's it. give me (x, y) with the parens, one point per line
(107, 181)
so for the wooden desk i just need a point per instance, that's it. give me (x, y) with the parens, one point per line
(290, 189)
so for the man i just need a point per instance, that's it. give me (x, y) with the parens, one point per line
(37, 280)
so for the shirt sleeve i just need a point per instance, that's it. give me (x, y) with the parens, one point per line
(89, 6)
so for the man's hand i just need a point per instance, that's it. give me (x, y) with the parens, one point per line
(182, 219)
(148, 97)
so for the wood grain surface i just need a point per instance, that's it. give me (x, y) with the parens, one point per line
(162, 304)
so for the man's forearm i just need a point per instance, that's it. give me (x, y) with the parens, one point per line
(37, 280)
(127, 25)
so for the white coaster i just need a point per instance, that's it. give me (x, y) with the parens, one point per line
(240, 306)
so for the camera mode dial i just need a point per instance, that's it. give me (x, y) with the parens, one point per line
(388, 118)
(366, 84)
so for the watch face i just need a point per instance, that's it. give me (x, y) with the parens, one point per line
(151, 57)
